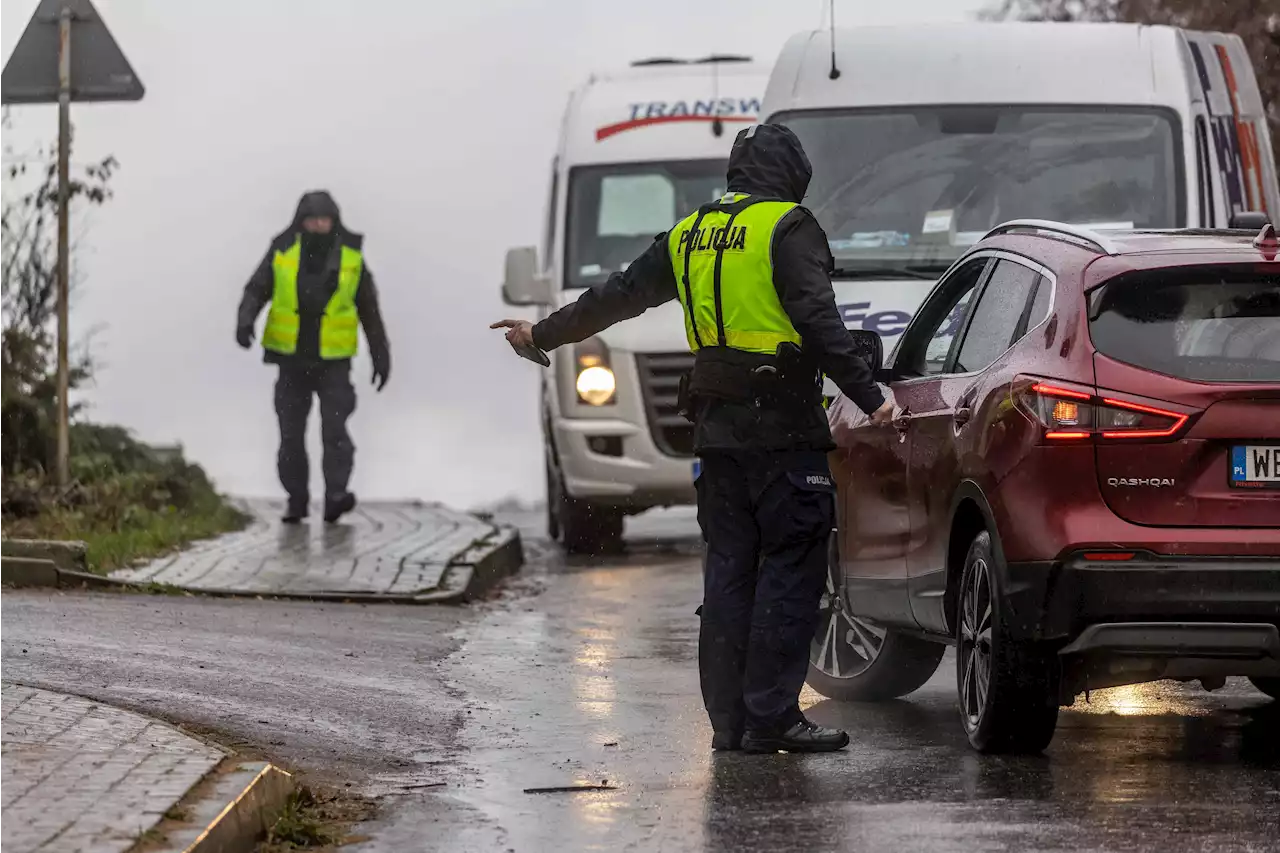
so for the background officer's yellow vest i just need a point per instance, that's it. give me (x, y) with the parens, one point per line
(338, 326)
(737, 305)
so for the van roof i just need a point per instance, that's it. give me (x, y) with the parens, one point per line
(652, 112)
(982, 63)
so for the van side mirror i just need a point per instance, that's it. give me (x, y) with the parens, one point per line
(522, 283)
(1248, 220)
(869, 347)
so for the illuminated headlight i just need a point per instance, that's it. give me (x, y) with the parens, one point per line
(596, 384)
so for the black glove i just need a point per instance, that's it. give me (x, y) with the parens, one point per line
(381, 371)
(244, 336)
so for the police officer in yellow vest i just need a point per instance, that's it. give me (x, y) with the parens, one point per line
(752, 272)
(320, 291)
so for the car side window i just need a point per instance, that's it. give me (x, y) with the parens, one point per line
(924, 349)
(994, 325)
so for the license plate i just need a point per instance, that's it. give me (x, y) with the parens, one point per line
(697, 468)
(1255, 466)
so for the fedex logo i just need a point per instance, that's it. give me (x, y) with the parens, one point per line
(886, 324)
(745, 110)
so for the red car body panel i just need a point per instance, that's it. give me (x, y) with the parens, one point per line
(962, 437)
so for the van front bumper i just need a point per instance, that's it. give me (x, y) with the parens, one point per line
(640, 478)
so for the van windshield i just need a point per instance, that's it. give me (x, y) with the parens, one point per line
(912, 188)
(615, 211)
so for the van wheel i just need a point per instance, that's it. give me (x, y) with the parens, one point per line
(1269, 686)
(1008, 701)
(853, 659)
(590, 528)
(582, 527)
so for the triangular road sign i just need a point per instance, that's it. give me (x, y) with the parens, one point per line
(99, 70)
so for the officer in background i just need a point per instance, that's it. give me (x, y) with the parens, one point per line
(319, 289)
(752, 271)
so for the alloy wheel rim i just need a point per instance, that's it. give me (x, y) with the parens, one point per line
(844, 645)
(975, 645)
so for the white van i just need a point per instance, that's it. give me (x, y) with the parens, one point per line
(926, 137)
(639, 149)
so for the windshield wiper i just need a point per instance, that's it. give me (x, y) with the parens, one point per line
(887, 272)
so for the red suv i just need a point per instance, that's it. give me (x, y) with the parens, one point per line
(1081, 488)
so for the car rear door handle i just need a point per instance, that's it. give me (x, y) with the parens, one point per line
(962, 416)
(902, 420)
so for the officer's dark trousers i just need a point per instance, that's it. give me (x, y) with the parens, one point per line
(295, 387)
(766, 518)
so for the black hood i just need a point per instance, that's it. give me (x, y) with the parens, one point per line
(317, 203)
(768, 160)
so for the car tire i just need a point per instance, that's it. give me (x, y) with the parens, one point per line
(1269, 686)
(1007, 687)
(852, 659)
(554, 492)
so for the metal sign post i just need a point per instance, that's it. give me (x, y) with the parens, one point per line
(64, 249)
(40, 71)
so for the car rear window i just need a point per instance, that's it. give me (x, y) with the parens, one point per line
(1205, 323)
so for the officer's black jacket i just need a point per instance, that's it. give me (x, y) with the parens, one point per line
(766, 161)
(317, 282)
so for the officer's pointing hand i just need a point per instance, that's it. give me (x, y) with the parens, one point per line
(244, 336)
(883, 415)
(519, 332)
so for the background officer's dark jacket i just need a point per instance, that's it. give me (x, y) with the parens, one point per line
(317, 282)
(769, 164)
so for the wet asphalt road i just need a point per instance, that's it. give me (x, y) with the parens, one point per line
(586, 671)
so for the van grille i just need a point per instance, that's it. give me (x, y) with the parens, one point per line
(660, 384)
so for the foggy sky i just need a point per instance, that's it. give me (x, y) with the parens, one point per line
(433, 125)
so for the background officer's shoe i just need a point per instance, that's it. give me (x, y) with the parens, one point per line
(335, 508)
(294, 512)
(726, 741)
(804, 736)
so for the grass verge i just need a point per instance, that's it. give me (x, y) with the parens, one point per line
(127, 501)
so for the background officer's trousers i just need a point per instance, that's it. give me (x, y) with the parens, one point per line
(295, 387)
(767, 519)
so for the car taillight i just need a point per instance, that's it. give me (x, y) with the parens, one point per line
(1070, 415)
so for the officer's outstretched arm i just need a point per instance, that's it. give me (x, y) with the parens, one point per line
(802, 276)
(647, 283)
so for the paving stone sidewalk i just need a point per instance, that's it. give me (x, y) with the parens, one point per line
(410, 551)
(80, 776)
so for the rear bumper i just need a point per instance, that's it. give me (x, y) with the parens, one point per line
(1058, 601)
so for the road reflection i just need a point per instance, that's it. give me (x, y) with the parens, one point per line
(611, 644)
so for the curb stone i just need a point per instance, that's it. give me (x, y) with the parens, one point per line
(33, 572)
(69, 555)
(230, 811)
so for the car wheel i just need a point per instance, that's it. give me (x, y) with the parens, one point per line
(855, 660)
(1269, 686)
(1007, 698)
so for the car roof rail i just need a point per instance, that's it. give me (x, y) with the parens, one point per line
(1091, 238)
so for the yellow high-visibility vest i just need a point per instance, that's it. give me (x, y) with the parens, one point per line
(723, 262)
(339, 334)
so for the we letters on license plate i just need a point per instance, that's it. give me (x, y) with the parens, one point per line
(1255, 466)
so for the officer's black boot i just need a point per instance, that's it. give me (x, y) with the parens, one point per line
(726, 741)
(804, 736)
(295, 511)
(337, 506)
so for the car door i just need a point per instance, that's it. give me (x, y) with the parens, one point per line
(870, 463)
(947, 415)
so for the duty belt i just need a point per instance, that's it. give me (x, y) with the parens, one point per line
(728, 374)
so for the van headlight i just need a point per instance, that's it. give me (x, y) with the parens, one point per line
(595, 383)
